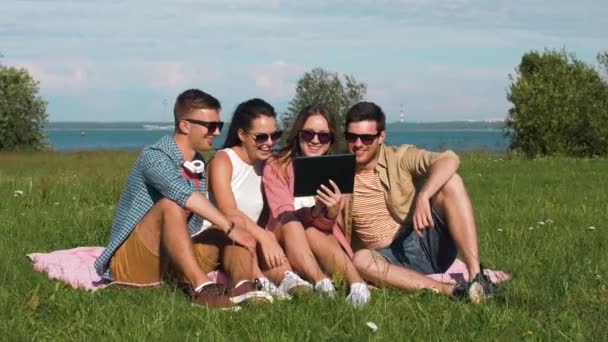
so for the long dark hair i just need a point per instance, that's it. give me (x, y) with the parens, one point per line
(292, 149)
(243, 116)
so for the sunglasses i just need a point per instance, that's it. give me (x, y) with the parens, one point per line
(366, 139)
(212, 126)
(308, 136)
(262, 138)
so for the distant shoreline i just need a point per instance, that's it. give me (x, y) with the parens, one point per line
(393, 126)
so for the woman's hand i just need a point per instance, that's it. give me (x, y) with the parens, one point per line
(239, 234)
(331, 200)
(271, 250)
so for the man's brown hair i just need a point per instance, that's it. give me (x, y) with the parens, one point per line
(193, 99)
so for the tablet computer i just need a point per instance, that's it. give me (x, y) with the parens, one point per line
(311, 172)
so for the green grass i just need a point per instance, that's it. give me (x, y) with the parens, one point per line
(558, 291)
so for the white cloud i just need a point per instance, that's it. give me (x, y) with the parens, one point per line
(446, 58)
(277, 80)
(56, 76)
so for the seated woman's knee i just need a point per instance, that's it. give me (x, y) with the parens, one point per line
(363, 258)
(313, 233)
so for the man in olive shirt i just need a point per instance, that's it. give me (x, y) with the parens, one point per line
(409, 211)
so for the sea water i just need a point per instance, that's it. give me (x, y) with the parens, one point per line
(134, 137)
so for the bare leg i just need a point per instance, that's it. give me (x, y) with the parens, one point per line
(331, 256)
(293, 238)
(377, 270)
(276, 274)
(453, 203)
(166, 224)
(238, 263)
(261, 269)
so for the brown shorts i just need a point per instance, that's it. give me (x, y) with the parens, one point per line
(133, 263)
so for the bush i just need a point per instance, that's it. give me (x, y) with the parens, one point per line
(560, 106)
(22, 112)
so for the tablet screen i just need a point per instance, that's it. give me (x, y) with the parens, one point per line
(311, 172)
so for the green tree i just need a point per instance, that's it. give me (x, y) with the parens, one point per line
(602, 59)
(320, 86)
(560, 106)
(22, 112)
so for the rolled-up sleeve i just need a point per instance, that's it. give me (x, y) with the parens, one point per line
(418, 161)
(160, 172)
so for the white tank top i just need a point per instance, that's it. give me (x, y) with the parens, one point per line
(246, 183)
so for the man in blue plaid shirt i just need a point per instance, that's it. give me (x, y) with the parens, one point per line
(158, 229)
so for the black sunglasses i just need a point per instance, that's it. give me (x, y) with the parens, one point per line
(308, 136)
(366, 139)
(262, 138)
(211, 125)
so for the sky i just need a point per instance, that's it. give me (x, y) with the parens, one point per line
(441, 60)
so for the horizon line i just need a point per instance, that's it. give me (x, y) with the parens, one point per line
(172, 122)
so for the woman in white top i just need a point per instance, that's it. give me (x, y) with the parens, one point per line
(235, 186)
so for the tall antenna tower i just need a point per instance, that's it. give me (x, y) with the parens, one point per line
(401, 114)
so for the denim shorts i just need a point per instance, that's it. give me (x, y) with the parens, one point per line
(433, 253)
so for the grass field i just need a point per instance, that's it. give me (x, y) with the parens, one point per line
(544, 220)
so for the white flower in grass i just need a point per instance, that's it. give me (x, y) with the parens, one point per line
(18, 193)
(542, 223)
(500, 230)
(548, 221)
(591, 228)
(372, 326)
(56, 203)
(74, 198)
(531, 228)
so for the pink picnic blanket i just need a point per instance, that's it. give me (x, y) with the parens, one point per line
(75, 267)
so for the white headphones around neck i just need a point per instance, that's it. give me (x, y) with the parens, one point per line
(195, 166)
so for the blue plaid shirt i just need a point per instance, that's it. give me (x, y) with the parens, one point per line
(157, 174)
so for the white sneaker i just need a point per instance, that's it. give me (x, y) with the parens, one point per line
(271, 288)
(294, 285)
(359, 295)
(326, 288)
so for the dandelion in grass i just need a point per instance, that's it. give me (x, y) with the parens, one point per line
(541, 223)
(591, 228)
(530, 228)
(18, 193)
(548, 221)
(499, 230)
(56, 203)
